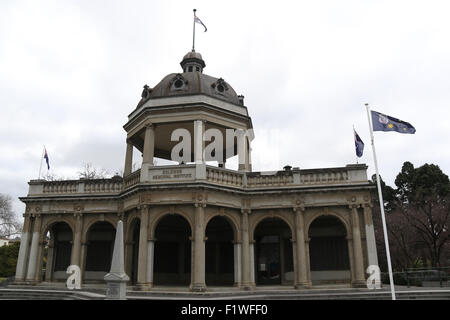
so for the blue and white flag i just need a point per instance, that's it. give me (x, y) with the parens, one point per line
(359, 144)
(46, 159)
(382, 122)
(197, 19)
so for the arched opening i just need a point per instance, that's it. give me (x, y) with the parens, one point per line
(273, 253)
(100, 246)
(219, 253)
(57, 252)
(328, 251)
(172, 255)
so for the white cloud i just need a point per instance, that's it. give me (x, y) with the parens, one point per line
(72, 71)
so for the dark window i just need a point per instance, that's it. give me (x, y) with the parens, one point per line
(178, 83)
(63, 250)
(220, 88)
(197, 68)
(329, 253)
(99, 256)
(190, 69)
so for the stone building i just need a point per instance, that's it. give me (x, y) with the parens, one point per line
(197, 225)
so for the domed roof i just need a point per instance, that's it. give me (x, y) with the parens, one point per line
(192, 82)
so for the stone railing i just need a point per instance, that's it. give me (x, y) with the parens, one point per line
(132, 179)
(82, 186)
(224, 176)
(280, 178)
(155, 175)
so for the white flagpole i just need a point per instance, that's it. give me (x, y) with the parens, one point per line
(380, 195)
(193, 34)
(354, 139)
(40, 167)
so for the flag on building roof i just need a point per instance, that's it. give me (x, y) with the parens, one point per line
(359, 144)
(197, 19)
(382, 122)
(46, 159)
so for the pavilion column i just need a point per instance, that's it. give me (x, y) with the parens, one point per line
(247, 282)
(76, 245)
(302, 276)
(128, 159)
(83, 259)
(24, 250)
(307, 260)
(149, 145)
(50, 256)
(143, 242)
(34, 250)
(372, 257)
(198, 273)
(237, 263)
(359, 279)
(248, 156)
(150, 261)
(243, 152)
(199, 143)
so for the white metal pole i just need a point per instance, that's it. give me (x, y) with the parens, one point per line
(193, 34)
(380, 195)
(40, 167)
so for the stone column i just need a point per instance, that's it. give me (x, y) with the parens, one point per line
(199, 143)
(32, 263)
(237, 264)
(150, 261)
(372, 257)
(243, 158)
(143, 242)
(301, 249)
(247, 283)
(252, 262)
(22, 259)
(128, 159)
(149, 145)
(83, 259)
(129, 257)
(357, 249)
(307, 261)
(50, 255)
(248, 156)
(76, 246)
(198, 281)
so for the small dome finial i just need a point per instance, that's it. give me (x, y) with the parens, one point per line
(193, 61)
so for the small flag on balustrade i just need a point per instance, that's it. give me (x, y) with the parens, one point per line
(359, 144)
(46, 158)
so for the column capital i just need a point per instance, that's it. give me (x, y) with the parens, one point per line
(354, 206)
(246, 211)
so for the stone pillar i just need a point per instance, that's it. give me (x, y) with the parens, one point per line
(248, 156)
(237, 264)
(243, 158)
(32, 263)
(372, 257)
(307, 260)
(83, 259)
(149, 145)
(198, 280)
(128, 159)
(129, 257)
(76, 246)
(359, 279)
(252, 262)
(199, 143)
(150, 261)
(50, 256)
(143, 242)
(247, 283)
(22, 259)
(282, 266)
(301, 272)
(350, 257)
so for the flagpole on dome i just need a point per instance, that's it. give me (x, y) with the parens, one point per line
(380, 195)
(193, 33)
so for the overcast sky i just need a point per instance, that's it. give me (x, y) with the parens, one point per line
(72, 71)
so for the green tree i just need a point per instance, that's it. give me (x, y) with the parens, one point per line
(8, 259)
(424, 196)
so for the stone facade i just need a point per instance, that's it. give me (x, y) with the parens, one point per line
(199, 225)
